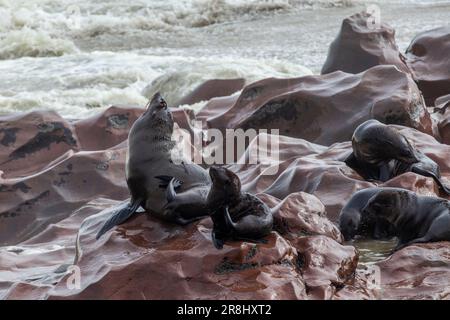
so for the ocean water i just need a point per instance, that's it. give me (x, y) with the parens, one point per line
(78, 57)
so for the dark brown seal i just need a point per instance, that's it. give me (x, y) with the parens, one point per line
(236, 215)
(353, 221)
(381, 152)
(153, 166)
(417, 219)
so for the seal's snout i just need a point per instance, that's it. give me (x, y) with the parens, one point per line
(214, 172)
(157, 101)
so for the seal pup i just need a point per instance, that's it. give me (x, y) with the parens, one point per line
(154, 171)
(354, 221)
(236, 215)
(381, 153)
(417, 219)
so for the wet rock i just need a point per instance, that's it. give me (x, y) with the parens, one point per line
(427, 58)
(213, 88)
(147, 259)
(361, 44)
(326, 265)
(326, 109)
(415, 272)
(30, 141)
(301, 214)
(50, 215)
(110, 128)
(441, 116)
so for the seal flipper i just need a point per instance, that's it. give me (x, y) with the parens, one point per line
(165, 181)
(218, 243)
(230, 224)
(428, 173)
(171, 187)
(122, 214)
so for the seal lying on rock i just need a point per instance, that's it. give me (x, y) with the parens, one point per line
(353, 221)
(152, 167)
(381, 153)
(416, 219)
(236, 215)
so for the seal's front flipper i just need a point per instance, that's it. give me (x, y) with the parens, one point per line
(423, 239)
(261, 240)
(184, 221)
(350, 160)
(436, 178)
(230, 224)
(120, 215)
(218, 243)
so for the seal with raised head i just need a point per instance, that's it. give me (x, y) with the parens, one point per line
(381, 152)
(417, 219)
(354, 221)
(159, 179)
(236, 215)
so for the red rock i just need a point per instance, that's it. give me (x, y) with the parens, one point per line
(301, 214)
(415, 272)
(148, 259)
(327, 266)
(31, 141)
(212, 89)
(110, 127)
(326, 109)
(427, 58)
(441, 116)
(361, 45)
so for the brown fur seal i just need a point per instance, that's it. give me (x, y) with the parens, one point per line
(151, 168)
(381, 153)
(353, 221)
(236, 215)
(417, 219)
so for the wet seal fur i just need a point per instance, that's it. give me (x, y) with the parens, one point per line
(236, 215)
(381, 153)
(417, 219)
(172, 189)
(353, 221)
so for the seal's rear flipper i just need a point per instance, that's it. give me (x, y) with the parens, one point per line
(427, 173)
(120, 215)
(165, 181)
(170, 191)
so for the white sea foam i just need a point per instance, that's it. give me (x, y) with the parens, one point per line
(190, 73)
(53, 27)
(78, 56)
(79, 84)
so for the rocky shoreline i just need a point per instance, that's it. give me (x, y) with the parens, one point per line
(57, 177)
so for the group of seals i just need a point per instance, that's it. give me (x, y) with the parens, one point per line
(381, 152)
(176, 190)
(179, 191)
